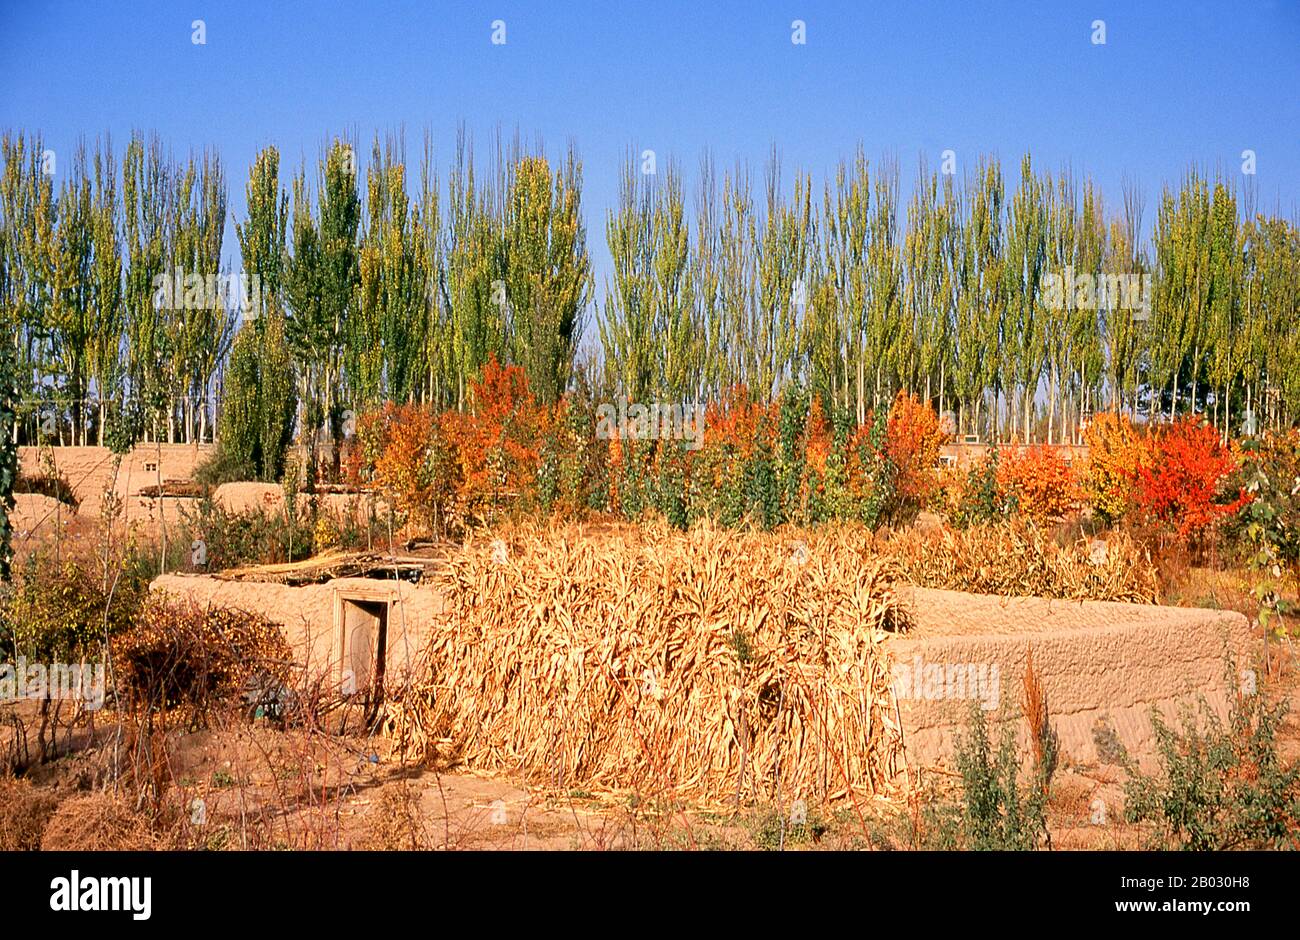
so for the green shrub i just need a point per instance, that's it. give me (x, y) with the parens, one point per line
(791, 448)
(56, 609)
(981, 498)
(224, 465)
(250, 537)
(878, 503)
(996, 813)
(670, 496)
(762, 489)
(1220, 787)
(775, 830)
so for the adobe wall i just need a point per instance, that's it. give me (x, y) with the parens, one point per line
(1102, 667)
(307, 613)
(89, 472)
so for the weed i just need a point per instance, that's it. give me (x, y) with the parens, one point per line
(774, 829)
(995, 812)
(1220, 787)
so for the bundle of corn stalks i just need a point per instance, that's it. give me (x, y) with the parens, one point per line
(1017, 559)
(711, 666)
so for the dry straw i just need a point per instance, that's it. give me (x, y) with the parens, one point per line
(1018, 560)
(713, 666)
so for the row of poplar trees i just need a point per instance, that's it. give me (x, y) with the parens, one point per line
(352, 290)
(357, 288)
(951, 298)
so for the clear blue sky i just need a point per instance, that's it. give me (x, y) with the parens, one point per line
(1175, 82)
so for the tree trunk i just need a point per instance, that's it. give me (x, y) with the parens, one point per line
(1051, 409)
(942, 386)
(1029, 404)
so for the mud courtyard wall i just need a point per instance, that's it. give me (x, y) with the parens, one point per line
(310, 614)
(1102, 665)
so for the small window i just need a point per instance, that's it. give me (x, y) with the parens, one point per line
(151, 466)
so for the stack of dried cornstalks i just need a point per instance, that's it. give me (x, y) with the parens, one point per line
(1022, 560)
(714, 665)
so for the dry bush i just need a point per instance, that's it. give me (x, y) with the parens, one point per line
(25, 811)
(707, 665)
(395, 823)
(181, 655)
(1042, 736)
(1019, 560)
(96, 822)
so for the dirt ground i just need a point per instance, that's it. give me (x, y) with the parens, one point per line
(260, 787)
(252, 785)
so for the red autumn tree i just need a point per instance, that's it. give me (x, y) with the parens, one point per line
(1182, 486)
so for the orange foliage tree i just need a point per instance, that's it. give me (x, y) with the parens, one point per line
(1116, 452)
(399, 450)
(736, 430)
(495, 445)
(1038, 482)
(818, 442)
(912, 441)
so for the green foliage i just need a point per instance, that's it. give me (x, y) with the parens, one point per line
(56, 610)
(762, 487)
(775, 830)
(8, 451)
(996, 812)
(838, 498)
(670, 489)
(877, 489)
(792, 420)
(1266, 529)
(257, 413)
(981, 499)
(404, 290)
(250, 537)
(1270, 522)
(1220, 787)
(224, 465)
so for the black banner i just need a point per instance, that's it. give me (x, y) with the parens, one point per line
(358, 890)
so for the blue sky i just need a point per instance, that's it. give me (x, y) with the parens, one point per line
(1175, 82)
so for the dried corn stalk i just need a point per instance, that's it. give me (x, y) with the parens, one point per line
(1018, 560)
(712, 666)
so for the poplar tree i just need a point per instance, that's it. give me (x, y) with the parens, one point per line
(548, 279)
(627, 325)
(105, 353)
(1024, 336)
(146, 195)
